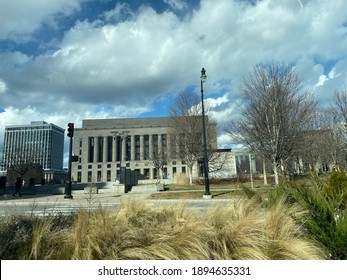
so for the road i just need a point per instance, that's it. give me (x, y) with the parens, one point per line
(53, 204)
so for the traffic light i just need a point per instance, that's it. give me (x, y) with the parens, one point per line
(74, 158)
(70, 130)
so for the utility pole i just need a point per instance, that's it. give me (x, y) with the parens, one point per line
(70, 132)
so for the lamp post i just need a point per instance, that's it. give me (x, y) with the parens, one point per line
(207, 181)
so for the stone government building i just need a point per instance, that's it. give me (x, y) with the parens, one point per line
(103, 145)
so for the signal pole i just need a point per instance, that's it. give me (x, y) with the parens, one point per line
(70, 132)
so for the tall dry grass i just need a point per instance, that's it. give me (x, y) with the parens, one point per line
(137, 231)
(246, 230)
(181, 179)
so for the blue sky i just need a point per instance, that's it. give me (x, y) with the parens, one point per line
(67, 60)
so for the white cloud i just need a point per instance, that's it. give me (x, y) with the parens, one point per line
(3, 87)
(212, 103)
(120, 11)
(322, 79)
(332, 74)
(19, 18)
(225, 141)
(176, 4)
(119, 64)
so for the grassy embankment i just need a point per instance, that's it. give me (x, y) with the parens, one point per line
(294, 221)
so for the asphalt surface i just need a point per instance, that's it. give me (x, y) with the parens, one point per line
(41, 204)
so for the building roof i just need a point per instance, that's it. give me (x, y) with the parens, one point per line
(35, 124)
(124, 123)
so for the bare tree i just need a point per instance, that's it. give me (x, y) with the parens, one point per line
(186, 131)
(274, 113)
(22, 161)
(159, 159)
(329, 138)
(340, 103)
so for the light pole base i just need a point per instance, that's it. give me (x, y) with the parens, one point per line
(207, 196)
(68, 196)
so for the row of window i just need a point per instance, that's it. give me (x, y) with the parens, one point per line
(146, 173)
(98, 144)
(99, 166)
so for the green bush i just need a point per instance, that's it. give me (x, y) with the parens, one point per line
(325, 218)
(336, 189)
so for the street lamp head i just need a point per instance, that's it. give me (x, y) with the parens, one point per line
(203, 74)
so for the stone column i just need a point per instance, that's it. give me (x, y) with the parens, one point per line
(114, 149)
(132, 149)
(168, 145)
(159, 144)
(160, 153)
(152, 172)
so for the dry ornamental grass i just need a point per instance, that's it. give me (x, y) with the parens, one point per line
(243, 231)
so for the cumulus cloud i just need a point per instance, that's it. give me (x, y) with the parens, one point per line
(176, 4)
(20, 18)
(3, 87)
(121, 62)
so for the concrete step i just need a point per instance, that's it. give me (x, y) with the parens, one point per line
(146, 188)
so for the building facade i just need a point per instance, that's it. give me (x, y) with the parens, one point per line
(40, 143)
(105, 145)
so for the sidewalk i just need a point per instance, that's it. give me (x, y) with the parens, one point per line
(51, 204)
(79, 197)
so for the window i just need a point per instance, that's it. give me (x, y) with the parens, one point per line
(146, 173)
(90, 176)
(155, 145)
(100, 149)
(109, 148)
(174, 170)
(201, 169)
(137, 147)
(79, 177)
(99, 177)
(163, 141)
(146, 147)
(91, 149)
(127, 148)
(108, 176)
(118, 147)
(183, 169)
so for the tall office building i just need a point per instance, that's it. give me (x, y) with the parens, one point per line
(39, 142)
(104, 145)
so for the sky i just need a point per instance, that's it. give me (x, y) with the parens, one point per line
(64, 61)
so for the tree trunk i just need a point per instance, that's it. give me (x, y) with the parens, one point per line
(275, 167)
(190, 175)
(264, 172)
